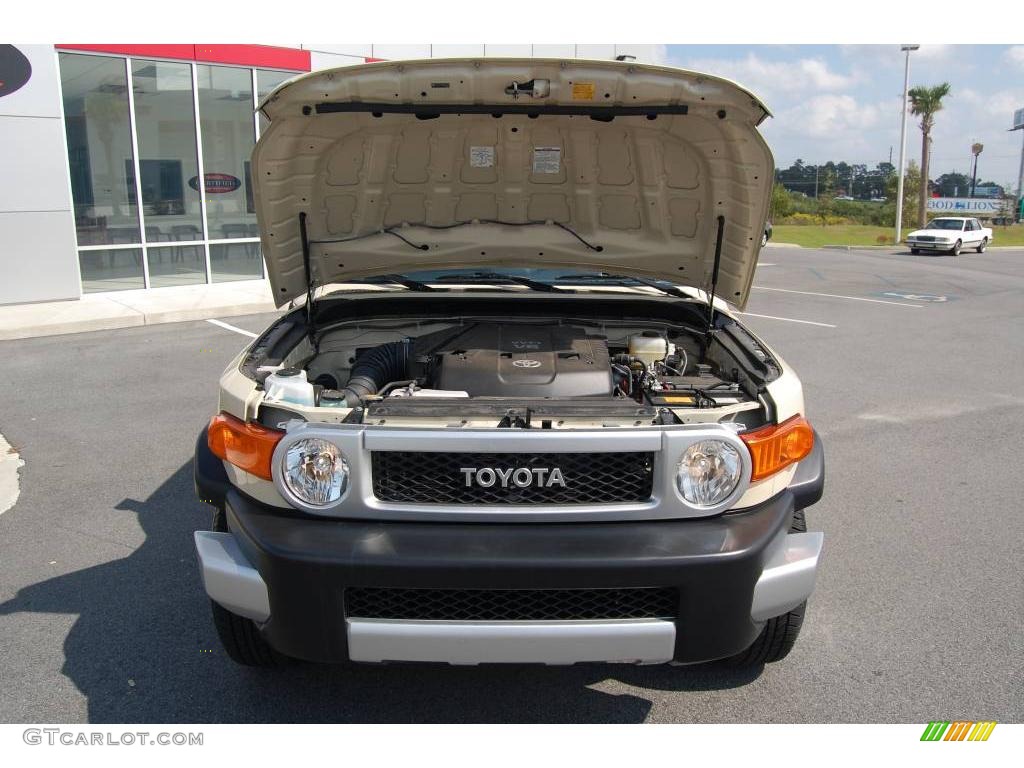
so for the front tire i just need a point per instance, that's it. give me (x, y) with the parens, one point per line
(983, 245)
(956, 248)
(915, 251)
(240, 636)
(780, 633)
(764, 239)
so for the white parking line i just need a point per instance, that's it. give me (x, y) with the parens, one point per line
(761, 264)
(788, 319)
(229, 327)
(837, 296)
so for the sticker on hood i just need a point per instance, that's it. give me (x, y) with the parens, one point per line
(547, 159)
(481, 157)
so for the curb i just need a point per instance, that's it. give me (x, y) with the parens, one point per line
(130, 321)
(862, 247)
(104, 312)
(901, 248)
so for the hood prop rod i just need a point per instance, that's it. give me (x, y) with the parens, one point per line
(309, 280)
(714, 285)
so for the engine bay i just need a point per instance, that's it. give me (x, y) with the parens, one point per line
(514, 372)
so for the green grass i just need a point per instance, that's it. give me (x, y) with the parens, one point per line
(859, 234)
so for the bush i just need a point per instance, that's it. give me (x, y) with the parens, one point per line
(815, 220)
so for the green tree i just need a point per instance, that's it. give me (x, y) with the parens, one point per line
(911, 191)
(925, 102)
(826, 207)
(782, 203)
(953, 184)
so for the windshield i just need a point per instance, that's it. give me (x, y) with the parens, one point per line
(525, 275)
(536, 279)
(956, 224)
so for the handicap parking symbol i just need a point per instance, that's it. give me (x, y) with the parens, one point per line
(934, 298)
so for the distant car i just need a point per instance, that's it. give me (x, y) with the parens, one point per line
(767, 234)
(844, 197)
(950, 234)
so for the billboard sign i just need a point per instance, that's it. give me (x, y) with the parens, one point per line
(1018, 120)
(15, 69)
(965, 206)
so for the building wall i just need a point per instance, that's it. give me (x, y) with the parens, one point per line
(37, 235)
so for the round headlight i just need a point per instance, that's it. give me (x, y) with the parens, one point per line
(315, 471)
(709, 471)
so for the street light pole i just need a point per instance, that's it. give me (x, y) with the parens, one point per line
(1019, 126)
(1020, 180)
(903, 140)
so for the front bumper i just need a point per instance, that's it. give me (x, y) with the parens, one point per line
(288, 572)
(930, 246)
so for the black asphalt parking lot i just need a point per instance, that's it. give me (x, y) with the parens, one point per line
(912, 369)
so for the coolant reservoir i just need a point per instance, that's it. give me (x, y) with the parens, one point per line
(289, 385)
(650, 349)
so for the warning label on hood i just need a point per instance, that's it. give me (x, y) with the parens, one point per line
(547, 159)
(481, 157)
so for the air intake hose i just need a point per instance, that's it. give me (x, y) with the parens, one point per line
(375, 368)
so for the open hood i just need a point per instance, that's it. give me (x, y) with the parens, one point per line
(481, 163)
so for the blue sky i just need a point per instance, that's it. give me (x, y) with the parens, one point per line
(842, 102)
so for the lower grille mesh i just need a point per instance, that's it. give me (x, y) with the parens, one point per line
(511, 604)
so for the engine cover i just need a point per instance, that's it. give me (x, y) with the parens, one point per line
(525, 361)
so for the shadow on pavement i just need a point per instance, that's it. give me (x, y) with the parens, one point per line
(143, 649)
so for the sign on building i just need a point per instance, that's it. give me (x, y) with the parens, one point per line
(965, 206)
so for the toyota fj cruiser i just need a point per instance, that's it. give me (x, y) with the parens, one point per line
(509, 417)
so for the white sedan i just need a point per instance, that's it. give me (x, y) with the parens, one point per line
(950, 234)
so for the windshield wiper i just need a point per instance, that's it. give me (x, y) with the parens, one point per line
(406, 282)
(604, 277)
(493, 277)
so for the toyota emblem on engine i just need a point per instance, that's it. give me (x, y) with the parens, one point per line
(526, 362)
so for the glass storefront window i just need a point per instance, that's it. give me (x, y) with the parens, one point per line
(168, 165)
(167, 234)
(176, 265)
(111, 270)
(229, 134)
(100, 161)
(235, 261)
(266, 81)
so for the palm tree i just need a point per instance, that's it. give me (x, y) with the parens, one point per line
(925, 102)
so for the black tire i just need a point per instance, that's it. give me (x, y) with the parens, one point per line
(956, 248)
(915, 251)
(984, 244)
(240, 636)
(780, 633)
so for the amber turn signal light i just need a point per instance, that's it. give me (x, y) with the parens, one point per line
(775, 447)
(246, 446)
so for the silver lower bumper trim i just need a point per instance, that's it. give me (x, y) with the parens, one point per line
(638, 641)
(229, 577)
(788, 576)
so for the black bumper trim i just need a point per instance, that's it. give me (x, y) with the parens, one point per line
(808, 483)
(211, 480)
(307, 564)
